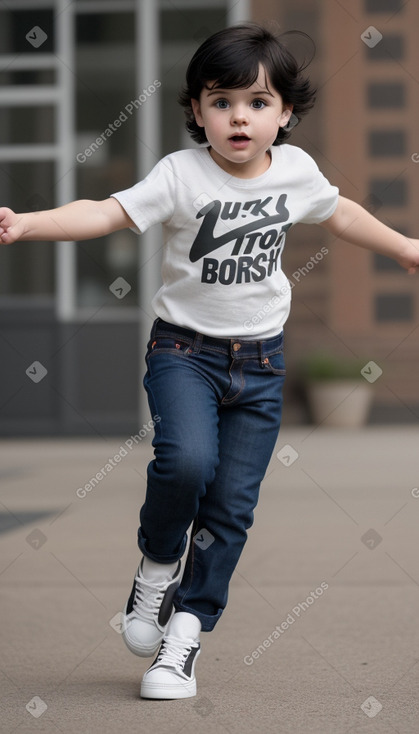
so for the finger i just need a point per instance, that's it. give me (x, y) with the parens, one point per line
(6, 236)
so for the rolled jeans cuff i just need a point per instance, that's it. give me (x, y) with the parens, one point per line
(208, 621)
(170, 558)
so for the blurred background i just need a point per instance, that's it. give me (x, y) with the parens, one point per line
(88, 104)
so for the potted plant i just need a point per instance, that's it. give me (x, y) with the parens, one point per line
(338, 395)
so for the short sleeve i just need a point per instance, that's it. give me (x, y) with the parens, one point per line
(323, 197)
(150, 201)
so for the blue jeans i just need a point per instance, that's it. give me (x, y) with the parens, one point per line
(217, 406)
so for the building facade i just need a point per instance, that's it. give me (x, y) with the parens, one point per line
(88, 104)
(363, 135)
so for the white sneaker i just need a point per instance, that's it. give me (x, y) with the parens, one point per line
(149, 608)
(172, 675)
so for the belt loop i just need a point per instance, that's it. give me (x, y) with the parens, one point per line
(197, 342)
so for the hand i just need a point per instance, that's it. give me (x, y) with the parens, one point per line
(11, 226)
(410, 258)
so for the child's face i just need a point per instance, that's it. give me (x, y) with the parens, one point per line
(241, 124)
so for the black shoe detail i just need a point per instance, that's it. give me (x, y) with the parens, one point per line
(167, 603)
(187, 668)
(130, 603)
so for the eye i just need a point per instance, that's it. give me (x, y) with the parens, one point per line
(258, 104)
(222, 104)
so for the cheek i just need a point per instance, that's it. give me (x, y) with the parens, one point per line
(213, 125)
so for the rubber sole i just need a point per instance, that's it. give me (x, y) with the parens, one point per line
(167, 691)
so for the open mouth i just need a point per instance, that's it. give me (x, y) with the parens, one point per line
(239, 141)
(239, 137)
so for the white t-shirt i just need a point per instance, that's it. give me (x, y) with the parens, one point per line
(223, 237)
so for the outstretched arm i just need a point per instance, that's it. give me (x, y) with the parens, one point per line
(79, 220)
(352, 223)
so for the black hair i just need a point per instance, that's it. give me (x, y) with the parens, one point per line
(231, 59)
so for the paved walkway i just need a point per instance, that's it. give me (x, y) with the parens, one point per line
(321, 633)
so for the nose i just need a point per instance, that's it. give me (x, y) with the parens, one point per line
(239, 115)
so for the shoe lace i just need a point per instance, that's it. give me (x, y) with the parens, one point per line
(148, 598)
(173, 652)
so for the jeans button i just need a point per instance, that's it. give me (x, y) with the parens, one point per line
(236, 347)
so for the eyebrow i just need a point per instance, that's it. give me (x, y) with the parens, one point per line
(224, 91)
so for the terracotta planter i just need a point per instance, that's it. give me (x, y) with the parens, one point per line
(343, 403)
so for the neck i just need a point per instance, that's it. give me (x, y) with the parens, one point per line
(249, 169)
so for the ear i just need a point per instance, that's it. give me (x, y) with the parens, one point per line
(285, 116)
(196, 109)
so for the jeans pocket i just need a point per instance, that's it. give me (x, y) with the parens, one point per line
(167, 345)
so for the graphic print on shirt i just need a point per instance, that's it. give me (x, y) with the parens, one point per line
(256, 250)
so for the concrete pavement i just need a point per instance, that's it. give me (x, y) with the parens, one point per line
(321, 631)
